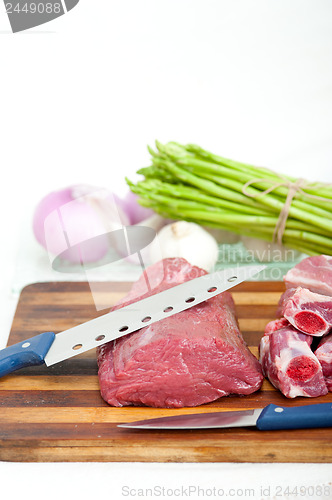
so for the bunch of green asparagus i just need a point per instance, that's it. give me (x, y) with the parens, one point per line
(189, 183)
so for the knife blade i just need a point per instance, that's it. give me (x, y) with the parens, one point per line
(272, 417)
(49, 348)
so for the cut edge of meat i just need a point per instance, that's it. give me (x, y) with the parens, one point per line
(313, 273)
(310, 322)
(307, 311)
(290, 365)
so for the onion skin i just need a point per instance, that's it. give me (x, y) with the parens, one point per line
(65, 217)
(134, 210)
(47, 205)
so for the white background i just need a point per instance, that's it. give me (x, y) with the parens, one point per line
(82, 96)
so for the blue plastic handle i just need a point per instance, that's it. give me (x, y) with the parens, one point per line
(296, 417)
(30, 352)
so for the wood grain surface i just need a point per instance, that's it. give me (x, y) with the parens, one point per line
(57, 413)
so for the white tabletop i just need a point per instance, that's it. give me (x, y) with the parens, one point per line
(81, 98)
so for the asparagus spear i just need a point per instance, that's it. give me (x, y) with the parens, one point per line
(187, 182)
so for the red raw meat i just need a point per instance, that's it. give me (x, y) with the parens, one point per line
(313, 273)
(324, 356)
(188, 359)
(309, 312)
(274, 325)
(290, 365)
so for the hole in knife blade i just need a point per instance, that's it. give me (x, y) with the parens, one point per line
(123, 328)
(77, 346)
(99, 338)
(212, 289)
(168, 309)
(190, 299)
(233, 278)
(146, 319)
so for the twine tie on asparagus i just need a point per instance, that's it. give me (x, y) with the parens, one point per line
(293, 189)
(187, 182)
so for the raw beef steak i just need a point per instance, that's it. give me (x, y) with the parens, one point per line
(309, 312)
(314, 273)
(290, 365)
(188, 359)
(324, 356)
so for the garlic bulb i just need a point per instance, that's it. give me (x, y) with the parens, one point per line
(187, 240)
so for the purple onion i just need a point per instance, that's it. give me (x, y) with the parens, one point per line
(75, 215)
(133, 209)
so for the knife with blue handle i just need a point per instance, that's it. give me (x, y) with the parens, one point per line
(270, 418)
(49, 348)
(30, 352)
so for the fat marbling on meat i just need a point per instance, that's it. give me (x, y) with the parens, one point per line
(307, 311)
(313, 273)
(324, 356)
(289, 363)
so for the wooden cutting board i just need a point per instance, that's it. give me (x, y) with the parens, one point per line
(57, 413)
